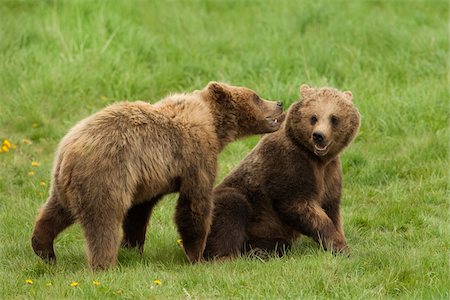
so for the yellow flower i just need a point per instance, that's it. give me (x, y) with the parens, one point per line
(5, 148)
(7, 143)
(43, 184)
(35, 164)
(74, 284)
(35, 125)
(27, 141)
(29, 281)
(49, 284)
(96, 283)
(157, 282)
(31, 173)
(180, 242)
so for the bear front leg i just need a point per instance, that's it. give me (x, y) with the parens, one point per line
(135, 224)
(193, 217)
(311, 220)
(332, 197)
(333, 211)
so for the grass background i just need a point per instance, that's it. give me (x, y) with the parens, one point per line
(63, 60)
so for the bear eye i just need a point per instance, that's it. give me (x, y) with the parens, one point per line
(313, 120)
(334, 120)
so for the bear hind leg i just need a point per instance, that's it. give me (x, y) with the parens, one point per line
(229, 228)
(265, 247)
(101, 232)
(52, 219)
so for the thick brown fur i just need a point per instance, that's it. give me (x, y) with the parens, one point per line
(290, 184)
(114, 166)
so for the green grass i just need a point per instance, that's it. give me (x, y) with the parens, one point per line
(63, 60)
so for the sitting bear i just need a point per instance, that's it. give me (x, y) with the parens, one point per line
(291, 182)
(114, 166)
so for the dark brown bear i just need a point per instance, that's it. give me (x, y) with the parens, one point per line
(290, 184)
(114, 166)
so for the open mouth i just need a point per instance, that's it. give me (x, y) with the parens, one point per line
(321, 150)
(272, 121)
(275, 121)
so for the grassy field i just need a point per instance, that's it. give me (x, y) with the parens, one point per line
(63, 60)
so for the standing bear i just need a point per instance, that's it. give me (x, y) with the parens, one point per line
(291, 182)
(114, 166)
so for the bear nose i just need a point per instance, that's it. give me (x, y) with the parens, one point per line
(280, 104)
(318, 136)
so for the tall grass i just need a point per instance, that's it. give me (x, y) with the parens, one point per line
(63, 60)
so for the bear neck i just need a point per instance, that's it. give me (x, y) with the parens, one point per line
(225, 122)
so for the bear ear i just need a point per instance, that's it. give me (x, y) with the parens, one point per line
(214, 85)
(349, 95)
(218, 90)
(304, 90)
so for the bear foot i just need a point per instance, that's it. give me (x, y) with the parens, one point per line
(43, 250)
(258, 253)
(132, 245)
(340, 248)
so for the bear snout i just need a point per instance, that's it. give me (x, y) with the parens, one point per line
(318, 136)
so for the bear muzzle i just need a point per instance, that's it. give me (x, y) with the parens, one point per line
(320, 144)
(276, 115)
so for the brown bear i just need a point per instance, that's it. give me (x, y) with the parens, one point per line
(290, 184)
(114, 166)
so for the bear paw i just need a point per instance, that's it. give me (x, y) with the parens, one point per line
(43, 250)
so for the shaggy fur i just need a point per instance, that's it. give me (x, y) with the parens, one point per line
(114, 166)
(290, 184)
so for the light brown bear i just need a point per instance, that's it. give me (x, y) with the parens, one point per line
(291, 182)
(114, 166)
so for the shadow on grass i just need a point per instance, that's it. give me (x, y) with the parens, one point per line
(65, 263)
(167, 256)
(74, 262)
(161, 257)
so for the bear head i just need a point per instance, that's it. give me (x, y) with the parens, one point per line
(324, 121)
(241, 110)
